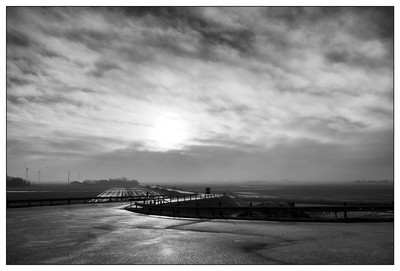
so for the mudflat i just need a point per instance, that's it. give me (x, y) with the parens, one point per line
(108, 234)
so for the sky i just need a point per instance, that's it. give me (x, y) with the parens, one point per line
(198, 94)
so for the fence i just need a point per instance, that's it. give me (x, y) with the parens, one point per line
(272, 213)
(147, 199)
(163, 199)
(62, 201)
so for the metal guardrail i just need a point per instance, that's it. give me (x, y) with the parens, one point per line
(363, 208)
(147, 199)
(170, 206)
(227, 212)
(163, 199)
(80, 200)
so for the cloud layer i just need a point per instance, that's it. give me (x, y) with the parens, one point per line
(219, 93)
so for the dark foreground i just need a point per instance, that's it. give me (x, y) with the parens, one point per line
(107, 234)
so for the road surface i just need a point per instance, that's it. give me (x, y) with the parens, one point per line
(122, 192)
(104, 233)
(125, 192)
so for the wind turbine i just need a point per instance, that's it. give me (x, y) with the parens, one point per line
(26, 173)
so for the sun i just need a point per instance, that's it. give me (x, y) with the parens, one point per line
(168, 133)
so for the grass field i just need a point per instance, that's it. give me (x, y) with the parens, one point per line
(53, 191)
(330, 193)
(258, 193)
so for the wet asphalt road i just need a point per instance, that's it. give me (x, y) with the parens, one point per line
(107, 234)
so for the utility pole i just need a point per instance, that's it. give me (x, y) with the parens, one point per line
(68, 177)
(39, 176)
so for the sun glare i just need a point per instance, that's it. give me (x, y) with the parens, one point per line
(168, 133)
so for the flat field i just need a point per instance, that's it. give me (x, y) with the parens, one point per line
(47, 191)
(320, 193)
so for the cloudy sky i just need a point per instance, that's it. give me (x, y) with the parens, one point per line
(192, 94)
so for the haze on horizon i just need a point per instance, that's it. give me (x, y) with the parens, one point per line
(191, 94)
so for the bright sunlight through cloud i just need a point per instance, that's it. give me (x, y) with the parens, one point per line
(168, 132)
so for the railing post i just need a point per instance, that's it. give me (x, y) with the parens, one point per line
(29, 202)
(345, 212)
(51, 202)
(69, 201)
(110, 198)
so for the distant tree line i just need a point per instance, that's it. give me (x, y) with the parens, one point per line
(109, 181)
(17, 182)
(373, 181)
